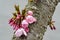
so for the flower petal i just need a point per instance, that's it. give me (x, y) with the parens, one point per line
(24, 24)
(30, 19)
(24, 32)
(19, 32)
(27, 29)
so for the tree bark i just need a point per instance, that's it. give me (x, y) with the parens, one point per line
(58, 0)
(43, 12)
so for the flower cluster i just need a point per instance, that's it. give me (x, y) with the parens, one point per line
(20, 22)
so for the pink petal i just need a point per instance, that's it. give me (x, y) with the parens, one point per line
(24, 24)
(16, 28)
(24, 32)
(27, 29)
(30, 19)
(30, 13)
(19, 32)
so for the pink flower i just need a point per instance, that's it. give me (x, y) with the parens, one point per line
(24, 24)
(22, 29)
(20, 32)
(30, 19)
(30, 13)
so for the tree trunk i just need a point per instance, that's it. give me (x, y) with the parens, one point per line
(58, 0)
(43, 12)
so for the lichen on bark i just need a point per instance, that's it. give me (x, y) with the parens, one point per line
(43, 11)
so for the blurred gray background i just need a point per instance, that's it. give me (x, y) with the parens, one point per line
(6, 31)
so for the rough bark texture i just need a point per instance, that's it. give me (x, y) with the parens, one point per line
(42, 9)
(58, 0)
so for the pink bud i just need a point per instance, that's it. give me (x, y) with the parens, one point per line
(12, 23)
(11, 20)
(30, 13)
